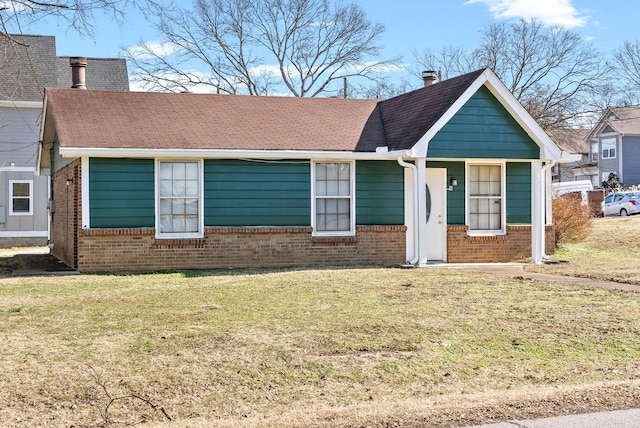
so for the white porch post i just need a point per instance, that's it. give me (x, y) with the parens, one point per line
(421, 182)
(538, 212)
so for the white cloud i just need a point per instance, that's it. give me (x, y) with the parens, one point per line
(152, 48)
(549, 12)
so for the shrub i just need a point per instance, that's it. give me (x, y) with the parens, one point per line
(572, 220)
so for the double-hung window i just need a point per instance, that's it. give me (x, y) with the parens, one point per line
(20, 197)
(485, 208)
(333, 202)
(179, 212)
(608, 148)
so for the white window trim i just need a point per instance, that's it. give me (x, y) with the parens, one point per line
(20, 213)
(609, 141)
(352, 207)
(196, 235)
(503, 198)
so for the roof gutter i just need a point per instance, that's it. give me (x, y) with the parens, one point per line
(77, 152)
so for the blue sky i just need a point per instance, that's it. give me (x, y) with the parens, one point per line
(411, 25)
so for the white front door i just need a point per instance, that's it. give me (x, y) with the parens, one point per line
(436, 214)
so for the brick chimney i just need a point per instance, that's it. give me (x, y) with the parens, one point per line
(78, 65)
(429, 77)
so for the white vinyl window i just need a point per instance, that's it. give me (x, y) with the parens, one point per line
(608, 148)
(179, 211)
(594, 152)
(333, 203)
(485, 203)
(20, 197)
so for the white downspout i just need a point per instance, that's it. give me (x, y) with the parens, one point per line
(544, 207)
(414, 169)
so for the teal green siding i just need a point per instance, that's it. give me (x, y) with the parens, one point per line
(121, 193)
(379, 193)
(455, 198)
(246, 193)
(483, 128)
(518, 193)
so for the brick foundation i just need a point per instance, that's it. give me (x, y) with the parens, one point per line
(137, 250)
(514, 246)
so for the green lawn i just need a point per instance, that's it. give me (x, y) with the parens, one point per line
(239, 348)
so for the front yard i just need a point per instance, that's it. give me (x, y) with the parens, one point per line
(347, 347)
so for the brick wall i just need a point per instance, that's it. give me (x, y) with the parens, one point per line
(514, 246)
(65, 219)
(137, 250)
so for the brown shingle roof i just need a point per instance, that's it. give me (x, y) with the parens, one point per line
(409, 116)
(571, 140)
(85, 118)
(103, 119)
(629, 122)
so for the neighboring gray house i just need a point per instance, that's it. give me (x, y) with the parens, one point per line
(29, 64)
(615, 145)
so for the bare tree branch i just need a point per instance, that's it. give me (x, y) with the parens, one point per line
(554, 73)
(261, 46)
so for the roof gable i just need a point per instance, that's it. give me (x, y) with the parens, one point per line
(548, 149)
(620, 120)
(483, 128)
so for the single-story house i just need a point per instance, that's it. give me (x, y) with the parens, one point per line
(453, 172)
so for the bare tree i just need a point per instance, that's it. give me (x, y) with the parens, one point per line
(17, 15)
(553, 72)
(260, 46)
(627, 66)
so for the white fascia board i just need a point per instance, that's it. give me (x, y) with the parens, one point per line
(420, 148)
(569, 157)
(75, 152)
(17, 168)
(24, 234)
(548, 149)
(20, 104)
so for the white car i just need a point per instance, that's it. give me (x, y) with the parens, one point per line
(622, 204)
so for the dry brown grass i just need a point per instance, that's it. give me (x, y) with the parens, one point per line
(609, 252)
(349, 347)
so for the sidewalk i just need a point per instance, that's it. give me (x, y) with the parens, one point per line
(516, 271)
(615, 419)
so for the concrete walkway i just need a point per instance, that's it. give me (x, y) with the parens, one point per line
(615, 419)
(516, 271)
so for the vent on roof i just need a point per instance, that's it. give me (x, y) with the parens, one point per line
(429, 77)
(78, 65)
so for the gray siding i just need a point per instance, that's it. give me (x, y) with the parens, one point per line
(19, 148)
(19, 136)
(24, 223)
(630, 161)
(610, 164)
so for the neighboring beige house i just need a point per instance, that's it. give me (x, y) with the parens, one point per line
(575, 141)
(29, 65)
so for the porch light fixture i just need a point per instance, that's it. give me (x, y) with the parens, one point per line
(453, 182)
(69, 181)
